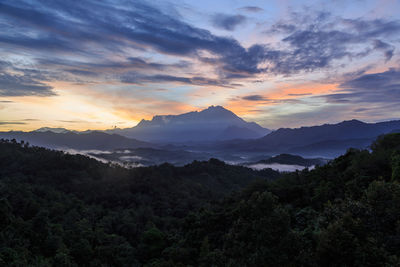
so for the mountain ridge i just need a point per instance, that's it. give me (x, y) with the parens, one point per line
(327, 140)
(196, 126)
(321, 138)
(90, 140)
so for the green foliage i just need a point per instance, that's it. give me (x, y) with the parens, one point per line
(58, 209)
(396, 167)
(63, 210)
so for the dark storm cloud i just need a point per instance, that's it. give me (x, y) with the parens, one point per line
(227, 22)
(375, 88)
(254, 9)
(21, 85)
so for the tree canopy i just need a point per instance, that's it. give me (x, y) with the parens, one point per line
(58, 209)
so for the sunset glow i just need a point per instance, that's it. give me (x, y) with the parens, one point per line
(100, 65)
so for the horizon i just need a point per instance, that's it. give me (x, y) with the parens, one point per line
(197, 111)
(282, 65)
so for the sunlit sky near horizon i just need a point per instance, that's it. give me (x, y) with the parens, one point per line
(99, 64)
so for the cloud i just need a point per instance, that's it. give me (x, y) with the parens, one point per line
(31, 120)
(386, 48)
(135, 78)
(95, 31)
(281, 27)
(338, 98)
(22, 85)
(11, 122)
(316, 41)
(383, 81)
(82, 72)
(253, 9)
(372, 28)
(28, 79)
(255, 98)
(379, 88)
(303, 94)
(72, 121)
(105, 67)
(69, 41)
(372, 97)
(227, 22)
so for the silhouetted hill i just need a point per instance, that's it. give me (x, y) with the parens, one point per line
(352, 129)
(330, 148)
(81, 141)
(293, 160)
(213, 123)
(323, 140)
(236, 132)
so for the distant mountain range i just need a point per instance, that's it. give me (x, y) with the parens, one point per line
(54, 130)
(327, 140)
(79, 141)
(212, 124)
(218, 131)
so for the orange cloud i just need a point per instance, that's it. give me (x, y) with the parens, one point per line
(281, 94)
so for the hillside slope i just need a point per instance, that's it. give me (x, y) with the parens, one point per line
(58, 209)
(70, 210)
(328, 140)
(80, 141)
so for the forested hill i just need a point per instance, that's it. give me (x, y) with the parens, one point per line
(57, 208)
(63, 210)
(345, 213)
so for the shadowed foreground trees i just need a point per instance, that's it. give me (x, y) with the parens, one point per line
(64, 210)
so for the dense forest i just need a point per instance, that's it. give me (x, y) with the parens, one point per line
(58, 209)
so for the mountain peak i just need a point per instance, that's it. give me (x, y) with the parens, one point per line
(219, 111)
(212, 107)
(353, 121)
(204, 125)
(50, 129)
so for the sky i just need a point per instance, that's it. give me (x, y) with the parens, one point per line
(103, 64)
